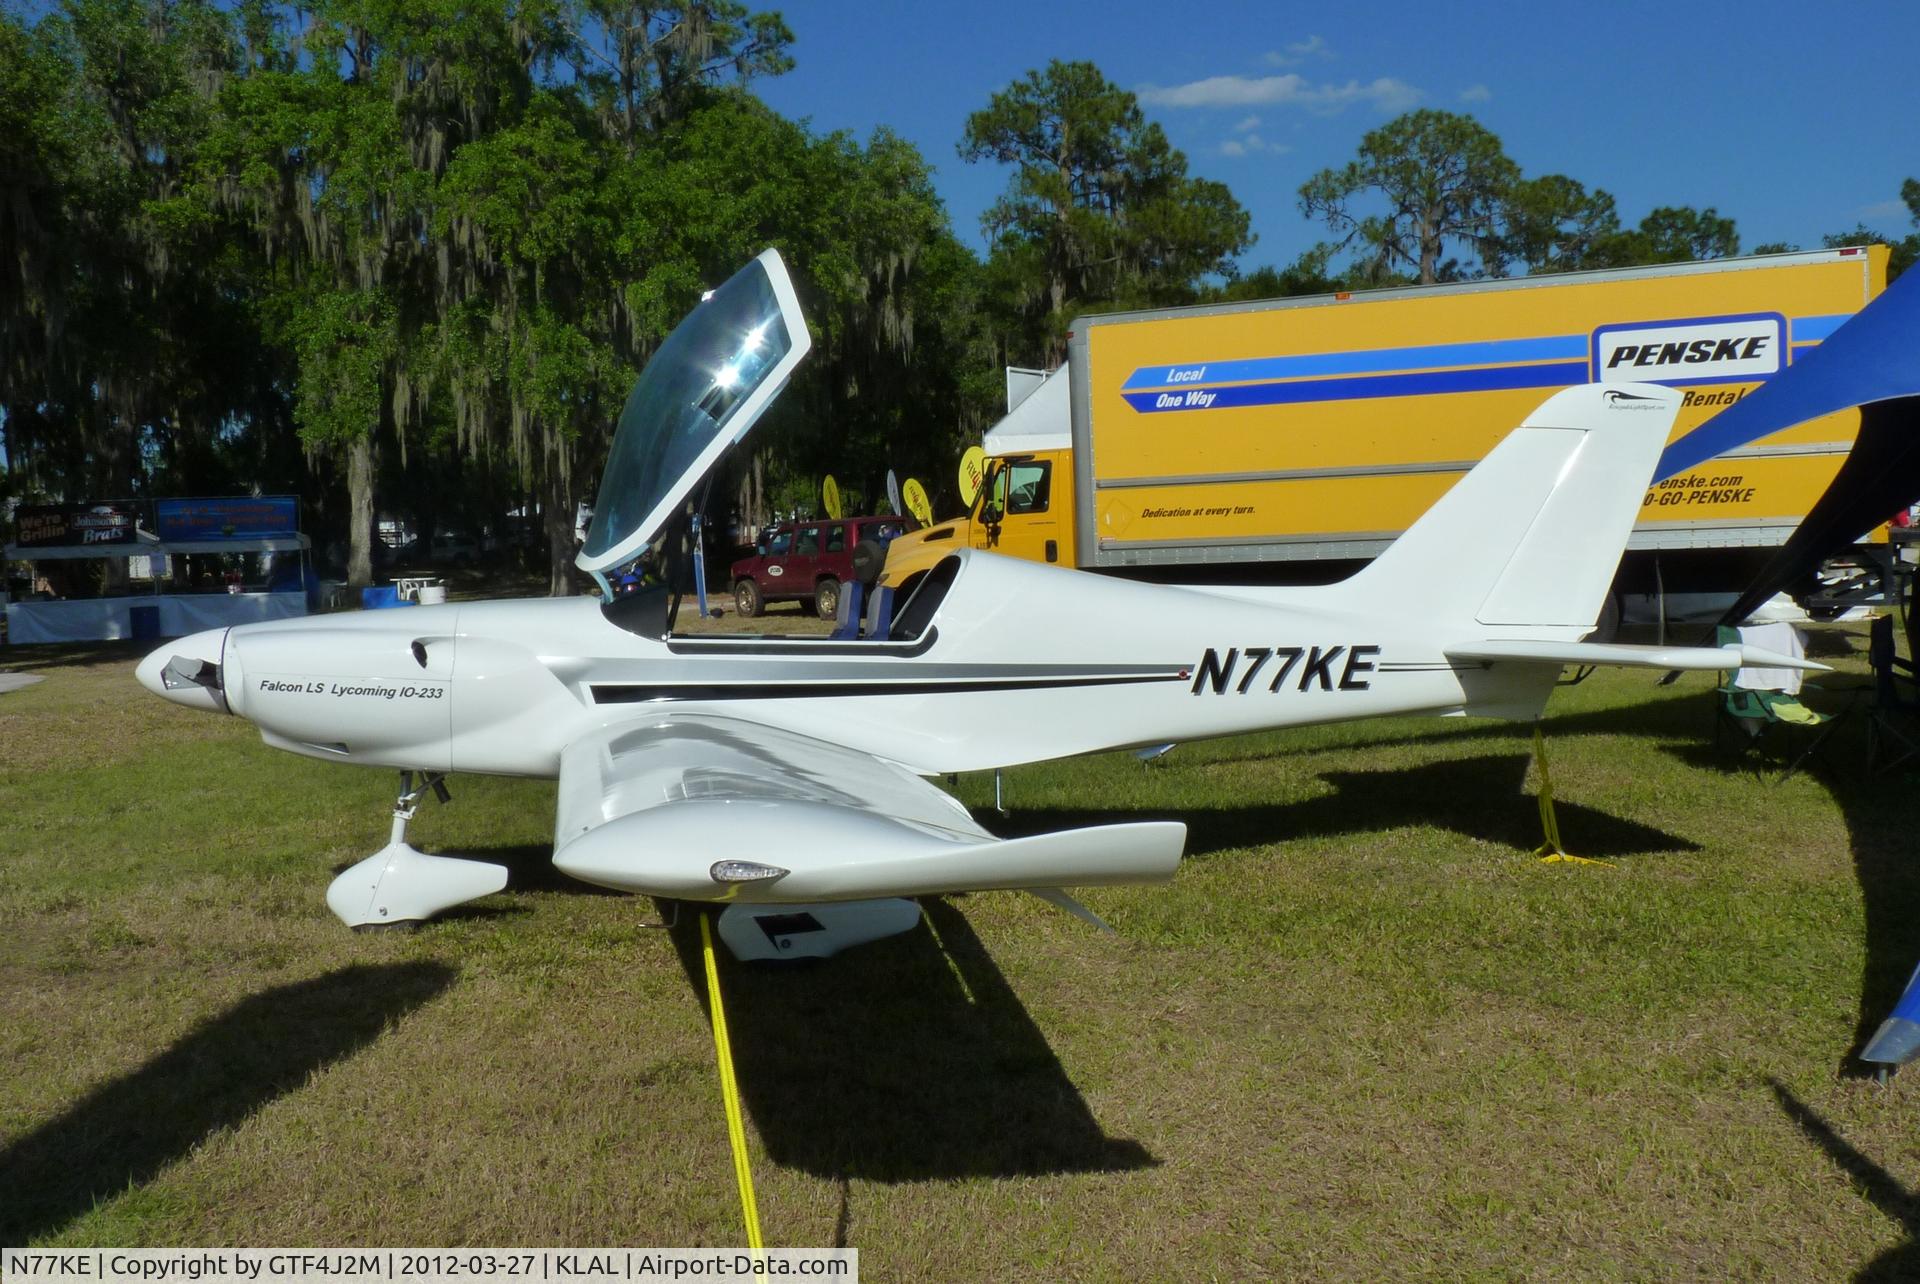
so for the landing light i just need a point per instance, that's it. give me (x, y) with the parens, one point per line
(744, 871)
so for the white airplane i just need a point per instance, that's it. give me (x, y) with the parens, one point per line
(785, 778)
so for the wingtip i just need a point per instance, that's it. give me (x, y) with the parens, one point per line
(1758, 657)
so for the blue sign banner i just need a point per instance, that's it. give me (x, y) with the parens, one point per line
(240, 517)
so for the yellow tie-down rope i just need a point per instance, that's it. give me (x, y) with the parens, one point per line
(730, 1090)
(1551, 852)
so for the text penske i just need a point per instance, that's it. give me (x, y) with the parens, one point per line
(1691, 489)
(1696, 352)
(1307, 667)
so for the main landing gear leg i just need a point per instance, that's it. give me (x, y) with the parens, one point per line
(400, 885)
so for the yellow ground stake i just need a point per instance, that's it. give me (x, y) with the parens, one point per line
(730, 1090)
(1551, 852)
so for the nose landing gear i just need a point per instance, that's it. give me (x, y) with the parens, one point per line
(399, 884)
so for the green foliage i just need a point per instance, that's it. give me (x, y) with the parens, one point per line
(1442, 177)
(406, 258)
(1554, 224)
(1100, 210)
(116, 307)
(345, 341)
(1673, 234)
(1308, 274)
(642, 65)
(1431, 181)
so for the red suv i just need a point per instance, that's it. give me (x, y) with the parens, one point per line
(806, 560)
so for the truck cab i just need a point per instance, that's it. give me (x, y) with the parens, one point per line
(1025, 504)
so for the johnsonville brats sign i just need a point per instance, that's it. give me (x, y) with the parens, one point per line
(48, 525)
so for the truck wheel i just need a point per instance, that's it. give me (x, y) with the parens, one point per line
(826, 598)
(746, 597)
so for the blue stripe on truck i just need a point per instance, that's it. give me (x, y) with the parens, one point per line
(1558, 374)
(1813, 329)
(1312, 365)
(1563, 347)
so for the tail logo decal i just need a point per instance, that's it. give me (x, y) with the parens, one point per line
(1617, 400)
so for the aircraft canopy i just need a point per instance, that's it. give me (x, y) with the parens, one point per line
(713, 377)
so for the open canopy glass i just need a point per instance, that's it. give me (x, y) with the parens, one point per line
(712, 378)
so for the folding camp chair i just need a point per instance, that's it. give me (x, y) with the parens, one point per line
(1893, 722)
(1754, 712)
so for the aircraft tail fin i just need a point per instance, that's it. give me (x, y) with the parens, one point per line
(1533, 534)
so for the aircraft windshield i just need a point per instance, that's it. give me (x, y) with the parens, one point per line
(701, 391)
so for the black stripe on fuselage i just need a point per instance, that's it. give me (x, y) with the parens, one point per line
(650, 692)
(802, 645)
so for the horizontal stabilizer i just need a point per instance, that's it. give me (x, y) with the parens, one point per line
(1633, 657)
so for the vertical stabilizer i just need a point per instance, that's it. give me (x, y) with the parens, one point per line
(1533, 534)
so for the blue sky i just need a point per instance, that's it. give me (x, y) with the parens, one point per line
(1794, 119)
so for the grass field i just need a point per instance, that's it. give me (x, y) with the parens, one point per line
(1363, 1035)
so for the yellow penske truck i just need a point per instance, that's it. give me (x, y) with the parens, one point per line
(1293, 440)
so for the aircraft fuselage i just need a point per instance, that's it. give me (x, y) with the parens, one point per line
(1007, 670)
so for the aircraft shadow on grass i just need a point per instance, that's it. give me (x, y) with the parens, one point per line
(1874, 1183)
(915, 1060)
(1683, 715)
(1482, 798)
(1880, 816)
(125, 1132)
(1880, 813)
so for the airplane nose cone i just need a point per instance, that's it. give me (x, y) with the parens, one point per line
(188, 671)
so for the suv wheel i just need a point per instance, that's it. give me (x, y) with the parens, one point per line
(746, 597)
(826, 598)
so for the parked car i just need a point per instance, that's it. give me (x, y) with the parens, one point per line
(807, 560)
(441, 550)
(447, 547)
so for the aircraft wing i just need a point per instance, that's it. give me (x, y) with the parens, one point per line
(1639, 657)
(699, 807)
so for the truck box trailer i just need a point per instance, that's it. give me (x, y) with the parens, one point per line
(1294, 439)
